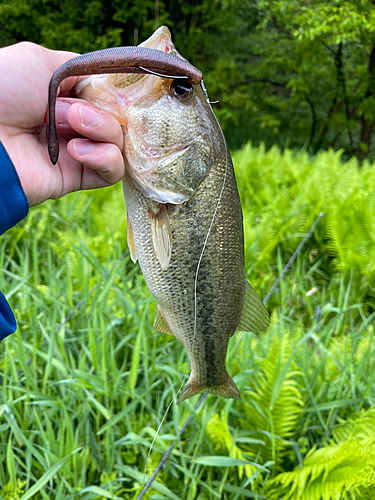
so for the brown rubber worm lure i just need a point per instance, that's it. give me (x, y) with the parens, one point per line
(115, 60)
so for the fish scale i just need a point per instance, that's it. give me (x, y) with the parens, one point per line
(184, 217)
(220, 280)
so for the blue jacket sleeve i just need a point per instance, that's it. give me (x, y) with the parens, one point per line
(13, 208)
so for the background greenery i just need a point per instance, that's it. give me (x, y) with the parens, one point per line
(298, 73)
(296, 77)
(78, 422)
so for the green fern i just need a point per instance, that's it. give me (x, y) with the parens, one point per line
(294, 189)
(273, 404)
(223, 443)
(359, 426)
(341, 470)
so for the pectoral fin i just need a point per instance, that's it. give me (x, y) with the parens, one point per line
(255, 317)
(160, 324)
(161, 236)
(131, 246)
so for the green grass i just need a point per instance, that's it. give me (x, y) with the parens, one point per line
(79, 421)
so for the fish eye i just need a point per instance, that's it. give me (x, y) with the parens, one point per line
(181, 90)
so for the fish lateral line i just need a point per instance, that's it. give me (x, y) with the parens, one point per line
(205, 394)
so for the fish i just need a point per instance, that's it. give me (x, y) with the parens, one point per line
(184, 217)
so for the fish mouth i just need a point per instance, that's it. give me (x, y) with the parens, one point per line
(164, 177)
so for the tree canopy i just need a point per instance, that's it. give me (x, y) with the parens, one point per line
(298, 73)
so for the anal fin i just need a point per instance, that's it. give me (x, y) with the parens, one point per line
(255, 317)
(160, 324)
(130, 238)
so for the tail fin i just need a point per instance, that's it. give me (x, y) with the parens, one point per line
(226, 390)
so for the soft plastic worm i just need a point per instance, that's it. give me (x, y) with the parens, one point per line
(115, 60)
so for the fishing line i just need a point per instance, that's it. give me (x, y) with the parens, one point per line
(125, 253)
(170, 449)
(293, 258)
(195, 321)
(213, 217)
(146, 70)
(204, 395)
(158, 430)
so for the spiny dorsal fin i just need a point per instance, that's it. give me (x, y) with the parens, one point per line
(160, 325)
(161, 236)
(255, 317)
(131, 246)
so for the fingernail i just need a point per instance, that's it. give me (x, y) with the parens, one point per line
(61, 112)
(82, 147)
(89, 117)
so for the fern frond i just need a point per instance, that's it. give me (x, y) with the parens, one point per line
(222, 442)
(294, 189)
(336, 470)
(359, 426)
(273, 405)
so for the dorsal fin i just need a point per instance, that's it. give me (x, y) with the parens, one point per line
(160, 325)
(255, 317)
(161, 236)
(130, 237)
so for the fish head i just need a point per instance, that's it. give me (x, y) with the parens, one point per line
(169, 128)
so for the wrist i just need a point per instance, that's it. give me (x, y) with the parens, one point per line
(14, 205)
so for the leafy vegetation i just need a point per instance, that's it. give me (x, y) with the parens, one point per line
(343, 467)
(77, 422)
(290, 72)
(295, 188)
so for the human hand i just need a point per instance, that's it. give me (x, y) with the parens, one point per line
(84, 163)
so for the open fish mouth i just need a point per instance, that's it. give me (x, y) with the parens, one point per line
(172, 177)
(166, 162)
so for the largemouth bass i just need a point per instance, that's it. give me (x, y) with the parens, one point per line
(184, 215)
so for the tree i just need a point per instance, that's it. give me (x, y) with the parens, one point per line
(299, 73)
(307, 72)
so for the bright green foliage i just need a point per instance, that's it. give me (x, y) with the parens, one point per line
(78, 422)
(223, 443)
(272, 406)
(336, 471)
(313, 75)
(295, 188)
(359, 426)
(342, 21)
(11, 492)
